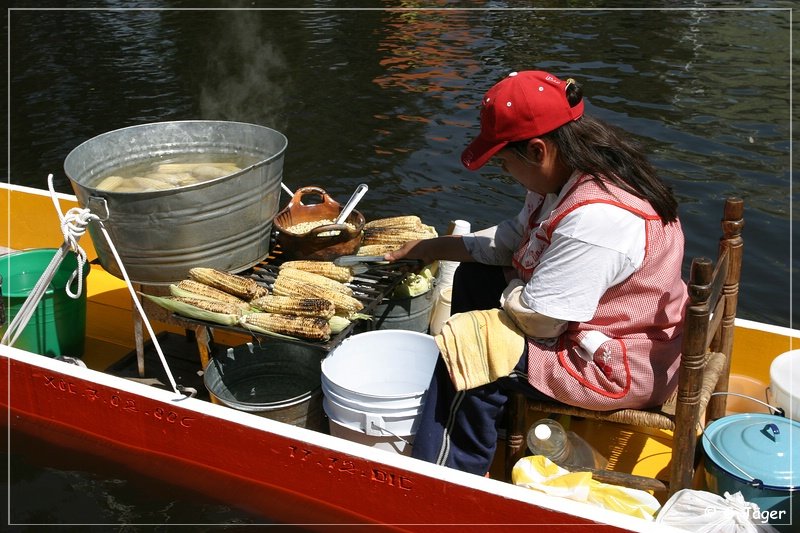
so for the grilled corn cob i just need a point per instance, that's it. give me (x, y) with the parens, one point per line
(245, 288)
(376, 249)
(195, 289)
(289, 286)
(316, 279)
(409, 222)
(209, 305)
(323, 268)
(394, 238)
(217, 312)
(290, 305)
(296, 326)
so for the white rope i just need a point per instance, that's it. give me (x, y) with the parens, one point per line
(72, 231)
(73, 227)
(139, 308)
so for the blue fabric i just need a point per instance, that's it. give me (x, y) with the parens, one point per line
(459, 429)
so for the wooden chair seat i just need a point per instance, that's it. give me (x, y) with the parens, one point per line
(661, 417)
(704, 369)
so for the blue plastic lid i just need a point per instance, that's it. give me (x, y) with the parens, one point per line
(756, 446)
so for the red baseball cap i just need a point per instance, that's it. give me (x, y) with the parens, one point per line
(522, 106)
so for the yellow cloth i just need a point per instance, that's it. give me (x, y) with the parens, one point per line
(479, 347)
(540, 473)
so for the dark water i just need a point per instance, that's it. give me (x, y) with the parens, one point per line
(389, 98)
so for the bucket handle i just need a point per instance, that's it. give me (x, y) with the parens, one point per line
(776, 410)
(754, 481)
(383, 429)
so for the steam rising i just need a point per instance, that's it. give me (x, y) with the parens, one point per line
(244, 75)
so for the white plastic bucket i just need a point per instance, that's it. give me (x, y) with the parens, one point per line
(784, 375)
(374, 385)
(389, 443)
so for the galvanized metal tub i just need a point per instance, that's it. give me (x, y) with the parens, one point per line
(223, 223)
(277, 380)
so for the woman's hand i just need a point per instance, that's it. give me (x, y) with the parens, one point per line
(410, 250)
(448, 248)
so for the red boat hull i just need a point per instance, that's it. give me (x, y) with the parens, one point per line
(288, 479)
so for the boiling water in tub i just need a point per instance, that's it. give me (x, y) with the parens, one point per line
(178, 171)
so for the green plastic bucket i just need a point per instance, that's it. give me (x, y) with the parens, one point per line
(58, 326)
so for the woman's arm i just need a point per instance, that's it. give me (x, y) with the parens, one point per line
(448, 248)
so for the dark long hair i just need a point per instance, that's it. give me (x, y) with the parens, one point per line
(609, 153)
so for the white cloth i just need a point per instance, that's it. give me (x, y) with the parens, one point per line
(562, 287)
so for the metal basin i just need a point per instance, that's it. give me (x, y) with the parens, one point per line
(223, 223)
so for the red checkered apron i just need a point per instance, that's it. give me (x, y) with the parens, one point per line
(642, 316)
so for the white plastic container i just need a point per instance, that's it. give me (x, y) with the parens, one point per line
(374, 385)
(784, 375)
(441, 309)
(448, 268)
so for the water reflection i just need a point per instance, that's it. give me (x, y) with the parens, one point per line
(390, 97)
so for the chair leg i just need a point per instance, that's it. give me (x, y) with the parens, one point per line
(684, 446)
(515, 430)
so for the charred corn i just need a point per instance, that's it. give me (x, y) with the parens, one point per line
(393, 238)
(291, 305)
(210, 305)
(295, 326)
(217, 312)
(316, 279)
(245, 288)
(323, 268)
(289, 286)
(409, 222)
(376, 249)
(192, 288)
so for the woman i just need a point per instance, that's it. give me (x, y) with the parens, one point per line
(588, 275)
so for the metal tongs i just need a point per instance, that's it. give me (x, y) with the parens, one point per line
(361, 263)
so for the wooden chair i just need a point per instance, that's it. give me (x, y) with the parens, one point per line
(705, 368)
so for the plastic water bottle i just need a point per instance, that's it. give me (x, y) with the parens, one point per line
(549, 438)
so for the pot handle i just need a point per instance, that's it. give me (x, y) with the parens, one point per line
(771, 431)
(99, 207)
(776, 410)
(297, 199)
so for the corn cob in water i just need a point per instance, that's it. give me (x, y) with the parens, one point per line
(240, 286)
(288, 285)
(291, 305)
(314, 328)
(323, 268)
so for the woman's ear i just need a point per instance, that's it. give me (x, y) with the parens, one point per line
(537, 150)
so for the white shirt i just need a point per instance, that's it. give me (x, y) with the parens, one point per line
(593, 248)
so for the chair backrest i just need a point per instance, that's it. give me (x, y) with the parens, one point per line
(708, 337)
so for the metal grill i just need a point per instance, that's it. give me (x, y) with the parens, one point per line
(370, 288)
